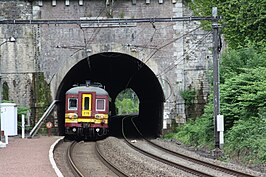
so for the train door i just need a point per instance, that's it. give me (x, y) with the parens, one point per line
(86, 104)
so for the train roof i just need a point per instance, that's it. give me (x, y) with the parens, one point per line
(98, 90)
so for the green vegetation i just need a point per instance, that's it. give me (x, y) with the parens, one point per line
(243, 105)
(22, 110)
(5, 93)
(243, 21)
(189, 96)
(127, 102)
(42, 95)
(242, 87)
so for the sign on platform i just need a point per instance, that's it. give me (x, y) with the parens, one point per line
(49, 125)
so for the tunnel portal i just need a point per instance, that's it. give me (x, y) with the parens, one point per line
(117, 72)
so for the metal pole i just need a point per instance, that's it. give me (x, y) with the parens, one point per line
(23, 126)
(0, 97)
(0, 100)
(1, 89)
(216, 80)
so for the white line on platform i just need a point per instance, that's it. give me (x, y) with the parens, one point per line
(51, 158)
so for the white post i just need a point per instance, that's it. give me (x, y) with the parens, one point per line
(221, 139)
(220, 129)
(6, 139)
(23, 126)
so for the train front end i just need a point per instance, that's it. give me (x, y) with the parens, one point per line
(86, 112)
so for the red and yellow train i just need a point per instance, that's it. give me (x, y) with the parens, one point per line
(86, 111)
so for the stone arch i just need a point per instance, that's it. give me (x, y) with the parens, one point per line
(117, 71)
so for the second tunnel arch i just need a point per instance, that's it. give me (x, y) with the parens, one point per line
(117, 71)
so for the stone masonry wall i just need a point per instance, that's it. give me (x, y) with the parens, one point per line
(17, 59)
(172, 50)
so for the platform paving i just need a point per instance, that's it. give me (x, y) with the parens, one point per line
(27, 157)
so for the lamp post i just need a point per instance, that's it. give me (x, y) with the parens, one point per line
(11, 39)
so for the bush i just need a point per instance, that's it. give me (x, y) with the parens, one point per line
(242, 98)
(197, 133)
(246, 141)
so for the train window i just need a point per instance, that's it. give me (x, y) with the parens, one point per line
(72, 104)
(100, 104)
(86, 103)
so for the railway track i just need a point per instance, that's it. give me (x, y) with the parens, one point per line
(124, 160)
(200, 162)
(168, 162)
(74, 167)
(112, 167)
(187, 168)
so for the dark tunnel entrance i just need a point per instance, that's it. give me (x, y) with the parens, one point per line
(117, 72)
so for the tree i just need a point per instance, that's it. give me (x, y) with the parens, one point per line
(127, 102)
(242, 82)
(243, 22)
(243, 104)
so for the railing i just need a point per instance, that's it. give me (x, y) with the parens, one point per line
(44, 116)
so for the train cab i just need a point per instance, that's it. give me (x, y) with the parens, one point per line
(86, 111)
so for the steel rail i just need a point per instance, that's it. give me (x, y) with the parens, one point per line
(109, 165)
(165, 161)
(204, 163)
(194, 160)
(70, 161)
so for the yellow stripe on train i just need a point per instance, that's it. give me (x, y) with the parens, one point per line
(75, 116)
(71, 120)
(96, 121)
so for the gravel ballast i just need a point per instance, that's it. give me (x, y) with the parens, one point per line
(134, 163)
(205, 156)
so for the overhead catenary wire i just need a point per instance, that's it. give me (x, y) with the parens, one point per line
(85, 40)
(171, 66)
(97, 30)
(152, 54)
(168, 43)
(147, 44)
(113, 20)
(105, 20)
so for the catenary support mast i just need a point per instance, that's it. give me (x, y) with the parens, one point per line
(216, 80)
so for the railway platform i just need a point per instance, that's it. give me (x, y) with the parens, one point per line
(27, 157)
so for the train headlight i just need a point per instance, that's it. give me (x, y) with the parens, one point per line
(97, 130)
(74, 129)
(99, 116)
(73, 116)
